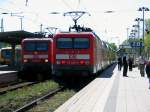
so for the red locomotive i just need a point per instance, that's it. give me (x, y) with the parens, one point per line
(37, 56)
(81, 52)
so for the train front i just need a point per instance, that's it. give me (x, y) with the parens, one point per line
(73, 53)
(37, 55)
(6, 54)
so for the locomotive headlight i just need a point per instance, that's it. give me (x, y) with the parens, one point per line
(82, 61)
(63, 61)
(46, 60)
(57, 62)
(25, 60)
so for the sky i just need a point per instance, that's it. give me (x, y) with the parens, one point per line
(111, 27)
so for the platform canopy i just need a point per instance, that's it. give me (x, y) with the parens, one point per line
(15, 37)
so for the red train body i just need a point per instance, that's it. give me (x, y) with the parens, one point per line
(81, 52)
(37, 55)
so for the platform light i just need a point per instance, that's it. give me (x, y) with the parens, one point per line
(143, 9)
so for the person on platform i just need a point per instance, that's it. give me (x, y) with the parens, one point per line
(130, 61)
(147, 69)
(119, 63)
(125, 66)
(142, 65)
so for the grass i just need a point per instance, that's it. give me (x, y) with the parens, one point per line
(53, 103)
(14, 99)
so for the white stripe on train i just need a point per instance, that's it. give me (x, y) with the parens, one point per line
(35, 56)
(72, 56)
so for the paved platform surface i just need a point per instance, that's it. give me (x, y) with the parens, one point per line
(112, 92)
(7, 75)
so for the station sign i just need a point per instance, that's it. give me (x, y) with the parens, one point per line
(136, 44)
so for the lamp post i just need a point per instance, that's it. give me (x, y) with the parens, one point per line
(16, 14)
(2, 22)
(21, 17)
(128, 34)
(138, 26)
(2, 25)
(143, 9)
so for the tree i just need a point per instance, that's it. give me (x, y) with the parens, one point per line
(113, 46)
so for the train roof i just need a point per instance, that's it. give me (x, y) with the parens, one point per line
(37, 39)
(9, 48)
(5, 48)
(67, 32)
(77, 33)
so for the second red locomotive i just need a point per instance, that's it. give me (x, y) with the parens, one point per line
(37, 56)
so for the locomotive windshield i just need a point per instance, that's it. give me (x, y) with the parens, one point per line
(41, 46)
(76, 43)
(64, 43)
(81, 43)
(6, 53)
(36, 46)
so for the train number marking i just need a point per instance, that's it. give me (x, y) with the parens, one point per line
(72, 56)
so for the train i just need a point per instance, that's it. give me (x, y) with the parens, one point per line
(6, 55)
(81, 53)
(36, 57)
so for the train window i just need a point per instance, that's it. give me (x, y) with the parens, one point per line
(6, 53)
(64, 43)
(32, 46)
(42, 46)
(29, 46)
(81, 43)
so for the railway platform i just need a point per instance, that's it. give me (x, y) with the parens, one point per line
(111, 92)
(7, 75)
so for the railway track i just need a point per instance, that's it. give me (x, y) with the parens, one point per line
(50, 94)
(35, 102)
(8, 84)
(31, 101)
(14, 87)
(8, 77)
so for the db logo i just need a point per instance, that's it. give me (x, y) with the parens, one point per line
(72, 56)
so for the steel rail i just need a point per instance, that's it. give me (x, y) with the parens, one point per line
(34, 102)
(14, 87)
